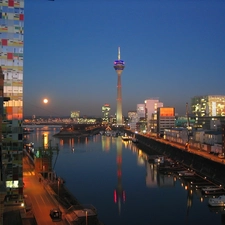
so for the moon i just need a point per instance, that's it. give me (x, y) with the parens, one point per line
(45, 100)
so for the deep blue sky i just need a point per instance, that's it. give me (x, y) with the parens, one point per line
(173, 50)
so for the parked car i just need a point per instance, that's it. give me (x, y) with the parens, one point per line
(221, 156)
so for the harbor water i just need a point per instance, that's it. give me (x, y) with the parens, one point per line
(117, 179)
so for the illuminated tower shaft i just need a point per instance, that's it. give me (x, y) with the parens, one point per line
(119, 99)
(119, 67)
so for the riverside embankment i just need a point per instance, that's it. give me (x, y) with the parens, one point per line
(206, 167)
(62, 198)
(79, 132)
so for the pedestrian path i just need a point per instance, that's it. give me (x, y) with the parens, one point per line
(39, 196)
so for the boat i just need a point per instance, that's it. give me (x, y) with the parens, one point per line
(27, 130)
(126, 137)
(221, 156)
(186, 173)
(219, 201)
(156, 159)
(212, 189)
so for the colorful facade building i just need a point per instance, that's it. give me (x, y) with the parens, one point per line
(11, 61)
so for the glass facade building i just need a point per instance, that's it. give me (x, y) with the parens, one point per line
(105, 112)
(11, 59)
(208, 105)
(141, 111)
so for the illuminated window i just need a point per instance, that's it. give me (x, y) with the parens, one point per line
(12, 184)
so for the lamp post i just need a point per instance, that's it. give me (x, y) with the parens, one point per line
(86, 212)
(58, 191)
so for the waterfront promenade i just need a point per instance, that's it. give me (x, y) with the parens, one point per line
(39, 198)
(42, 195)
(45, 195)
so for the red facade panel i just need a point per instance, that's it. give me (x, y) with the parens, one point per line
(4, 42)
(21, 17)
(11, 3)
(9, 56)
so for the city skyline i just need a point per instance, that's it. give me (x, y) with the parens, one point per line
(173, 51)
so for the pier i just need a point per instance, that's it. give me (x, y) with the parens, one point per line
(207, 165)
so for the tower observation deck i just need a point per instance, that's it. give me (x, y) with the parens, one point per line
(119, 66)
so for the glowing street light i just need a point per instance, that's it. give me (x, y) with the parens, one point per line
(86, 217)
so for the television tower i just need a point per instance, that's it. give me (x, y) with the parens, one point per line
(119, 67)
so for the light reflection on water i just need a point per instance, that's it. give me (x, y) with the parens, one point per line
(126, 189)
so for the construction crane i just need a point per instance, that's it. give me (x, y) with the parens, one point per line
(187, 115)
(188, 128)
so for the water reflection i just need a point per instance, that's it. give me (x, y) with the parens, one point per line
(128, 180)
(106, 141)
(119, 193)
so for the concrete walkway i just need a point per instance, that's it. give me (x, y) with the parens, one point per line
(39, 196)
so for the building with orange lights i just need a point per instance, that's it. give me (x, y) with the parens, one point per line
(165, 119)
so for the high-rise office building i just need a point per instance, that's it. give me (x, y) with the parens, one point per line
(208, 105)
(141, 110)
(11, 60)
(151, 106)
(119, 67)
(132, 119)
(105, 112)
(165, 119)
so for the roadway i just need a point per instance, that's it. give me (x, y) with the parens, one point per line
(36, 192)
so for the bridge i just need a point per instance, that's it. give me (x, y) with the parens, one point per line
(31, 127)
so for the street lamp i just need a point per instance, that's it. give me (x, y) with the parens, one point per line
(86, 212)
(58, 191)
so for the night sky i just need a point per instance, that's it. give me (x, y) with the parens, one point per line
(173, 50)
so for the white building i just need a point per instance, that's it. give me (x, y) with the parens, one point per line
(178, 135)
(141, 111)
(151, 106)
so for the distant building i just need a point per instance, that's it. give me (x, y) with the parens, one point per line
(209, 111)
(75, 114)
(132, 119)
(151, 106)
(208, 105)
(131, 115)
(165, 119)
(105, 111)
(209, 122)
(181, 121)
(141, 111)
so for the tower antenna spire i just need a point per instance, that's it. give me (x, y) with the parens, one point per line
(118, 53)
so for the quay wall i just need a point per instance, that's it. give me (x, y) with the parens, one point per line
(214, 171)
